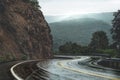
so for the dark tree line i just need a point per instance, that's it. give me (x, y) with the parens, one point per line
(99, 41)
(116, 31)
(69, 47)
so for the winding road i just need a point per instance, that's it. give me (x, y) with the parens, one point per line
(75, 69)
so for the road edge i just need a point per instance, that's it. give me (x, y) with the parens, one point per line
(13, 67)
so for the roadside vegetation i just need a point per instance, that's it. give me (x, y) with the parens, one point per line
(35, 3)
(99, 45)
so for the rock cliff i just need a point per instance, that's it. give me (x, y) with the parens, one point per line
(24, 32)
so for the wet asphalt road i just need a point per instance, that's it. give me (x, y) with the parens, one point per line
(64, 69)
(71, 70)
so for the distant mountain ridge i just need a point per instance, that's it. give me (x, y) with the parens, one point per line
(80, 29)
(107, 17)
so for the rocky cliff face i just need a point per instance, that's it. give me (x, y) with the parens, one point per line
(23, 31)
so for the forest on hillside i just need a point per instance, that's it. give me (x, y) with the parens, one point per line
(99, 44)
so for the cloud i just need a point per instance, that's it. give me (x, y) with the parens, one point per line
(61, 7)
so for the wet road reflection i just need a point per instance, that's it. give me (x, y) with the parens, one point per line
(70, 70)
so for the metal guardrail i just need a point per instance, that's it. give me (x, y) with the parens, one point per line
(111, 63)
(12, 70)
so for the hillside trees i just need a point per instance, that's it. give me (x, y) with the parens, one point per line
(116, 30)
(99, 45)
(99, 40)
(70, 47)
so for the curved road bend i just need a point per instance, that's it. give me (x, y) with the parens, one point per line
(71, 70)
(5, 70)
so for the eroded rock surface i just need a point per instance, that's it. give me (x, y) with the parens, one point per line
(23, 31)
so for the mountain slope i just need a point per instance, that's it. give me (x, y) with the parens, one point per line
(77, 30)
(23, 31)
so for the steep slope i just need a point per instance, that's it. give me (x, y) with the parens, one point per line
(77, 30)
(23, 31)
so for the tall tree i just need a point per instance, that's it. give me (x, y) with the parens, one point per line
(116, 30)
(99, 40)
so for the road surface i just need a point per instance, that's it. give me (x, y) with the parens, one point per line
(5, 70)
(70, 70)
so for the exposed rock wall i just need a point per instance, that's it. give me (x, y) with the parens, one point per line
(23, 31)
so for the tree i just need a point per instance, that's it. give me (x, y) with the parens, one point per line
(99, 40)
(76, 48)
(70, 47)
(66, 48)
(116, 30)
(35, 3)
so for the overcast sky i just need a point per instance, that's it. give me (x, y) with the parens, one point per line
(71, 7)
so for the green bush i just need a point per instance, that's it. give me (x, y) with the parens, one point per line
(35, 3)
(73, 49)
(111, 52)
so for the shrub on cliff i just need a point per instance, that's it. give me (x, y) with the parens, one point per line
(35, 3)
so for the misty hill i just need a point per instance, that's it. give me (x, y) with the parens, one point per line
(78, 30)
(106, 17)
